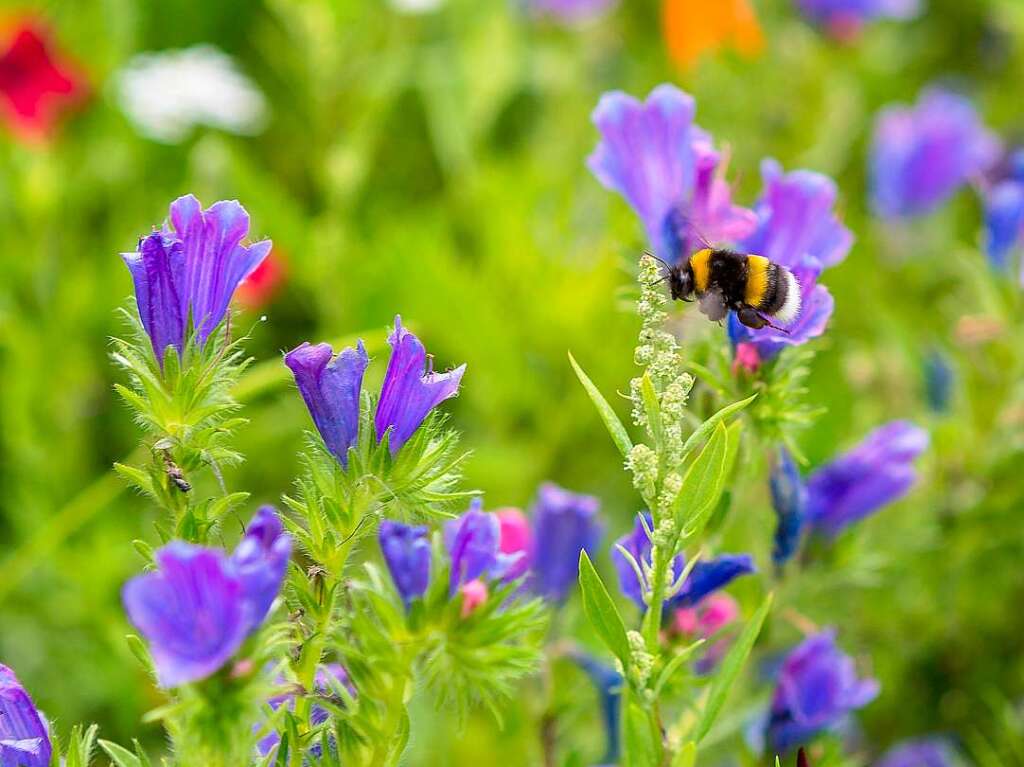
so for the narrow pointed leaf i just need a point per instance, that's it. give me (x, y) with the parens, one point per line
(730, 668)
(602, 612)
(121, 756)
(611, 421)
(641, 748)
(702, 484)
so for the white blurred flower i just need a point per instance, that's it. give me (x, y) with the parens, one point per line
(416, 6)
(167, 94)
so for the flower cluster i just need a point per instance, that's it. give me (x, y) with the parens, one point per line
(200, 604)
(186, 273)
(876, 472)
(330, 386)
(817, 687)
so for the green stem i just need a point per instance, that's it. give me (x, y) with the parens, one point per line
(660, 561)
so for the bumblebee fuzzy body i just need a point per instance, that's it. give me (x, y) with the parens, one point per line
(723, 280)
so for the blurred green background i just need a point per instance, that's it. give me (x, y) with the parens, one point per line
(433, 165)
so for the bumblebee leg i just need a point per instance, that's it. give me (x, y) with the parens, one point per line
(747, 315)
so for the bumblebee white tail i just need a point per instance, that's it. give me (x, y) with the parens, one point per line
(791, 306)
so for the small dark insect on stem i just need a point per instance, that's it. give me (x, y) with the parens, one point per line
(175, 474)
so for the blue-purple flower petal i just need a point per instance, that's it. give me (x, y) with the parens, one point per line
(261, 560)
(920, 752)
(158, 272)
(406, 550)
(816, 688)
(1004, 222)
(796, 219)
(215, 260)
(192, 610)
(665, 167)
(789, 499)
(408, 393)
(876, 472)
(709, 576)
(834, 14)
(922, 155)
(564, 524)
(329, 678)
(330, 388)
(472, 543)
(24, 734)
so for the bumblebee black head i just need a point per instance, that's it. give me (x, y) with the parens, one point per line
(680, 283)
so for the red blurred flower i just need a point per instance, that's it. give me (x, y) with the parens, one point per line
(261, 286)
(694, 27)
(36, 84)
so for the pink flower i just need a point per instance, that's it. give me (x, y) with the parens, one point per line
(474, 594)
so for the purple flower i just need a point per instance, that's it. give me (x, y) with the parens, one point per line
(472, 543)
(708, 577)
(564, 524)
(572, 11)
(261, 560)
(816, 688)
(797, 228)
(192, 610)
(408, 393)
(191, 271)
(198, 607)
(406, 551)
(921, 752)
(876, 472)
(24, 735)
(328, 679)
(330, 389)
(705, 578)
(666, 168)
(789, 499)
(843, 17)
(922, 155)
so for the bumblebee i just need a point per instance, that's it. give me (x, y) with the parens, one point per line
(723, 280)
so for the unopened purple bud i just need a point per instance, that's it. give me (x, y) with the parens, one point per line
(406, 551)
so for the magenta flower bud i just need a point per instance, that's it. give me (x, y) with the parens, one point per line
(24, 734)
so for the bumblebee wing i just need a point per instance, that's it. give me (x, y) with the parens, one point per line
(712, 305)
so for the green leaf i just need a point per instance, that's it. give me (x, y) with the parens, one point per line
(702, 484)
(673, 665)
(730, 668)
(687, 755)
(611, 421)
(602, 612)
(122, 757)
(641, 748)
(709, 425)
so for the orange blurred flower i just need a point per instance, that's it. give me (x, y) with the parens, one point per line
(694, 27)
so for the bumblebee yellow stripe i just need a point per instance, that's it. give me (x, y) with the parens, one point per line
(757, 279)
(699, 262)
